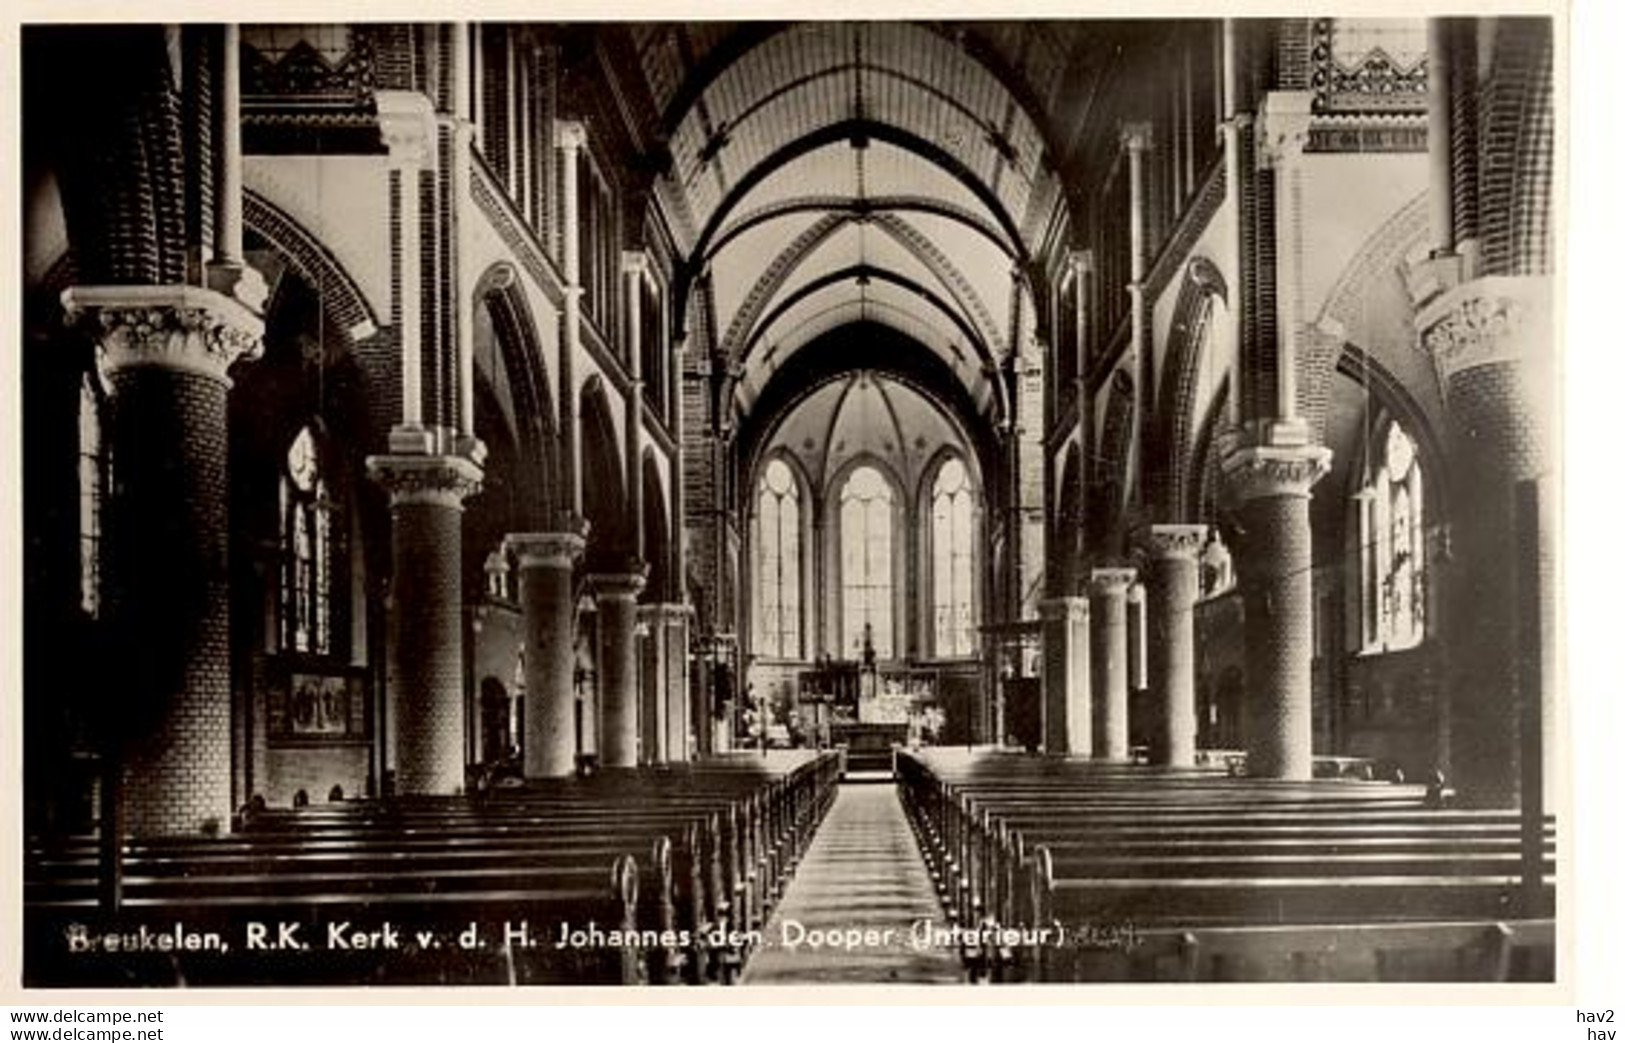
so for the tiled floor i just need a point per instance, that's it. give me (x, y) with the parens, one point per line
(862, 878)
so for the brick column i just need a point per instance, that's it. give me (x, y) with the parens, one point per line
(1272, 485)
(652, 728)
(679, 724)
(617, 596)
(1490, 342)
(547, 595)
(1067, 724)
(1171, 588)
(164, 352)
(425, 656)
(1108, 590)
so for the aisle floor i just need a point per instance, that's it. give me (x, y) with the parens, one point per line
(863, 879)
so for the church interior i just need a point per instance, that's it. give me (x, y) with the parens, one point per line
(758, 502)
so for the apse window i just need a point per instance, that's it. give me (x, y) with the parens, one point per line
(866, 564)
(307, 549)
(952, 552)
(778, 520)
(1393, 546)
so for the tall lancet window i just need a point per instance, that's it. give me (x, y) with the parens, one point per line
(92, 489)
(953, 548)
(778, 564)
(1393, 547)
(307, 549)
(866, 563)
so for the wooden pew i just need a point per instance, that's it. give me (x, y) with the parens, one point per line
(1091, 848)
(648, 854)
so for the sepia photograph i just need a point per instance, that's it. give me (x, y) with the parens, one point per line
(982, 501)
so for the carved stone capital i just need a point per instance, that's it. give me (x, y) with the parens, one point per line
(439, 481)
(185, 329)
(548, 550)
(1494, 319)
(571, 135)
(1173, 541)
(1111, 582)
(407, 124)
(1282, 129)
(634, 262)
(1067, 609)
(1255, 471)
(625, 585)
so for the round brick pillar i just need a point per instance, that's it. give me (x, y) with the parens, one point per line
(425, 655)
(547, 595)
(1490, 343)
(1066, 677)
(1108, 591)
(164, 352)
(1171, 589)
(1272, 485)
(617, 596)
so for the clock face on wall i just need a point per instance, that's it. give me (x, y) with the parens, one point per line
(302, 466)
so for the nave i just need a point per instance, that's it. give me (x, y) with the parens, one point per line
(487, 474)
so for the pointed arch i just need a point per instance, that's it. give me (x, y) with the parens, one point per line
(1195, 322)
(1067, 525)
(517, 349)
(603, 484)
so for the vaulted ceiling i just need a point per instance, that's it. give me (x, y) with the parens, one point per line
(892, 173)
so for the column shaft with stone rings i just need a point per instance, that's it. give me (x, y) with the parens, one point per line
(1171, 590)
(617, 596)
(163, 352)
(425, 659)
(547, 563)
(1108, 589)
(1272, 485)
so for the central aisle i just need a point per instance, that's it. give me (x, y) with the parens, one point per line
(862, 877)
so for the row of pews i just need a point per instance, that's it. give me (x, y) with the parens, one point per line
(657, 876)
(1073, 870)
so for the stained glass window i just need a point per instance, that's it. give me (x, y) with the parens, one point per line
(953, 561)
(778, 587)
(866, 563)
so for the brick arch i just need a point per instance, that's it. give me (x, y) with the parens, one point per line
(656, 532)
(518, 349)
(1343, 316)
(1202, 481)
(341, 299)
(946, 272)
(1108, 475)
(1177, 407)
(773, 279)
(315, 263)
(604, 497)
(1512, 132)
(1068, 523)
(918, 245)
(1396, 401)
